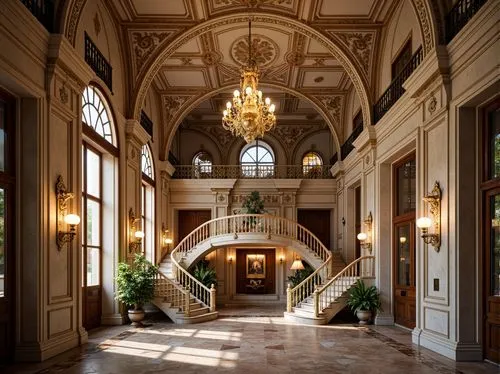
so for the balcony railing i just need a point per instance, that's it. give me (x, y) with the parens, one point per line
(252, 172)
(98, 62)
(146, 123)
(396, 90)
(459, 15)
(43, 10)
(347, 147)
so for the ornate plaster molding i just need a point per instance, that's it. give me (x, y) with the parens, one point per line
(75, 11)
(360, 44)
(426, 21)
(354, 72)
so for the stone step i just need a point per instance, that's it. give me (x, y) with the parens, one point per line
(199, 311)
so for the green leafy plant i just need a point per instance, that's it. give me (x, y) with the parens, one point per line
(300, 275)
(253, 204)
(363, 298)
(205, 274)
(136, 282)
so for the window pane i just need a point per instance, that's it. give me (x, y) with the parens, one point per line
(2, 241)
(93, 266)
(495, 245)
(93, 223)
(404, 259)
(494, 128)
(406, 187)
(3, 155)
(93, 173)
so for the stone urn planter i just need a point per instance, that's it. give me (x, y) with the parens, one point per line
(136, 316)
(363, 316)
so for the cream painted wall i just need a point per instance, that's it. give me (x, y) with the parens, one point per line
(402, 25)
(320, 142)
(192, 142)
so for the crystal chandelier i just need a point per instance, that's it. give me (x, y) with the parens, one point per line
(249, 115)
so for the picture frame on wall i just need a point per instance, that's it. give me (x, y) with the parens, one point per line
(256, 266)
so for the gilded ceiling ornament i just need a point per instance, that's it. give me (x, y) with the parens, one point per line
(145, 44)
(264, 50)
(319, 61)
(186, 61)
(290, 135)
(360, 44)
(171, 106)
(211, 58)
(295, 58)
(334, 106)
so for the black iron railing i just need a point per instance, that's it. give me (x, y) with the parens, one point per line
(252, 172)
(146, 123)
(172, 159)
(347, 147)
(459, 15)
(334, 159)
(396, 90)
(43, 10)
(98, 62)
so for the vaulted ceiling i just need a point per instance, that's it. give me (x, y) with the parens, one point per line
(297, 70)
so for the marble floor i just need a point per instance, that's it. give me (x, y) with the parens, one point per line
(244, 340)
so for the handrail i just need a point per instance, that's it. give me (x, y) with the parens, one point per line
(363, 267)
(177, 296)
(252, 172)
(238, 224)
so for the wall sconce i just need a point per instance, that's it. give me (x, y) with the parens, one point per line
(424, 223)
(136, 235)
(72, 220)
(281, 260)
(343, 221)
(230, 260)
(365, 238)
(165, 238)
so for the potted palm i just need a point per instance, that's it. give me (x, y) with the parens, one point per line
(205, 274)
(363, 301)
(136, 285)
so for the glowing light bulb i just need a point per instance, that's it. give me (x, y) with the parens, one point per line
(267, 101)
(272, 108)
(236, 93)
(139, 234)
(424, 222)
(72, 219)
(228, 105)
(259, 93)
(248, 90)
(225, 113)
(362, 236)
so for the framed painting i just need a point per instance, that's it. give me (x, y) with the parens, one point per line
(256, 266)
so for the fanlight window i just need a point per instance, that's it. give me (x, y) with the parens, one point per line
(311, 163)
(202, 163)
(257, 160)
(147, 164)
(95, 114)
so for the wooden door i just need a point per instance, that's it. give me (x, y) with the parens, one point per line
(190, 220)
(318, 222)
(255, 271)
(491, 226)
(404, 277)
(7, 250)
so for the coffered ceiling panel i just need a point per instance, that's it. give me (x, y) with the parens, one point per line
(219, 6)
(320, 78)
(191, 47)
(351, 8)
(186, 78)
(154, 8)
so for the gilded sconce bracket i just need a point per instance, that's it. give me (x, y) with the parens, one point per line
(62, 197)
(434, 201)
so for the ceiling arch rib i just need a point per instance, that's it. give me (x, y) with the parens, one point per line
(352, 69)
(176, 107)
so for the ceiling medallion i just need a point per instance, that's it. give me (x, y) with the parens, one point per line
(264, 51)
(249, 115)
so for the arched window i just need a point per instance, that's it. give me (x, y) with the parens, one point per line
(202, 163)
(95, 114)
(311, 164)
(257, 160)
(147, 202)
(99, 206)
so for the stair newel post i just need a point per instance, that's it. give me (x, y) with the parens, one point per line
(289, 298)
(212, 298)
(316, 301)
(187, 296)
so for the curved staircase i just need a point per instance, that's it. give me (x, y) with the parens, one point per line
(186, 300)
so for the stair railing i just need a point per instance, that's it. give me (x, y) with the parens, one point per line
(242, 224)
(176, 295)
(363, 267)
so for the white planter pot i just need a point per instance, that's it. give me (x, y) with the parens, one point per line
(363, 316)
(136, 316)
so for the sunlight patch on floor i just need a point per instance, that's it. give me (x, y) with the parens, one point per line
(203, 357)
